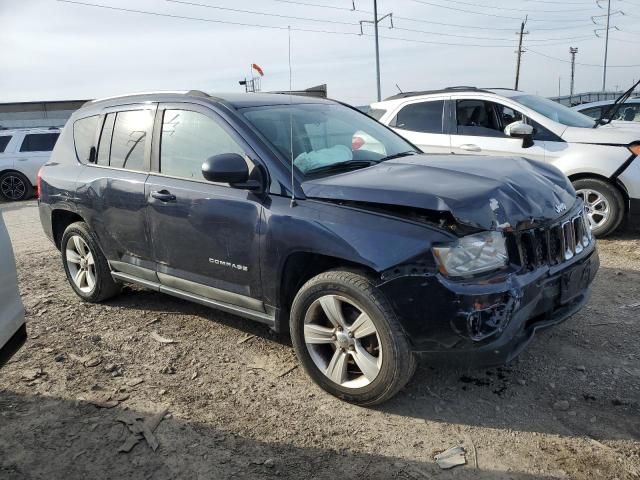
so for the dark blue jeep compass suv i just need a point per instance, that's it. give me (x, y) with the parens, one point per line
(313, 218)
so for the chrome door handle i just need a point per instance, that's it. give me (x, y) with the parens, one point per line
(470, 147)
(163, 196)
(22, 159)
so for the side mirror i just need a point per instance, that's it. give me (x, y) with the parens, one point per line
(520, 130)
(229, 168)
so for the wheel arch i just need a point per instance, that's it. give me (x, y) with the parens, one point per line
(301, 266)
(613, 182)
(60, 220)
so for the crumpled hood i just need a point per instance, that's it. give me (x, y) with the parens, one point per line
(481, 192)
(614, 133)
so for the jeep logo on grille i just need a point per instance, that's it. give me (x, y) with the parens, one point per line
(560, 207)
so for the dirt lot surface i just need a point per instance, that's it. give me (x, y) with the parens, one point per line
(569, 407)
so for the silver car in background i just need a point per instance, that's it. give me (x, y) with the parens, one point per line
(13, 330)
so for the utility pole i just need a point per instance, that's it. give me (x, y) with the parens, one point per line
(572, 51)
(608, 27)
(559, 85)
(606, 48)
(376, 20)
(520, 50)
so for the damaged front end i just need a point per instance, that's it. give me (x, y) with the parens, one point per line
(518, 281)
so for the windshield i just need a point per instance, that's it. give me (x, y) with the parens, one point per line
(325, 135)
(555, 111)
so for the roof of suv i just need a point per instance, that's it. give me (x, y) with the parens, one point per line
(235, 100)
(505, 92)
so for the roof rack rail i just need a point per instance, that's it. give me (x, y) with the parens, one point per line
(197, 93)
(428, 92)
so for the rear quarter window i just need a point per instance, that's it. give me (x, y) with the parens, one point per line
(39, 142)
(376, 113)
(84, 134)
(4, 141)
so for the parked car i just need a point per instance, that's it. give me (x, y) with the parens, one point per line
(629, 112)
(13, 330)
(258, 205)
(22, 153)
(599, 161)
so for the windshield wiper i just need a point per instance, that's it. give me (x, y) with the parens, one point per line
(399, 155)
(346, 165)
(614, 108)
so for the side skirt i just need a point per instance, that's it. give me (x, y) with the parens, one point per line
(262, 317)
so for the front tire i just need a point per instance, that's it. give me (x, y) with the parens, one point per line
(14, 187)
(348, 338)
(86, 267)
(604, 203)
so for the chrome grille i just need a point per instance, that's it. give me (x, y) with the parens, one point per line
(554, 244)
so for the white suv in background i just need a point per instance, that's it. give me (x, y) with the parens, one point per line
(601, 162)
(22, 153)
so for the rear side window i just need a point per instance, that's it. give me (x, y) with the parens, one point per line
(130, 133)
(188, 139)
(84, 134)
(425, 117)
(4, 141)
(104, 144)
(39, 142)
(593, 112)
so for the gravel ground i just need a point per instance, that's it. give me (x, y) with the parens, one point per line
(238, 407)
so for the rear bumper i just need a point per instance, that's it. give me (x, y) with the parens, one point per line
(13, 345)
(490, 323)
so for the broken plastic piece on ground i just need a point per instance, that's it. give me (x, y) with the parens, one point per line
(451, 458)
(161, 339)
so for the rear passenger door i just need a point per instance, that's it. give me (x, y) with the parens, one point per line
(423, 124)
(7, 147)
(205, 235)
(34, 151)
(111, 190)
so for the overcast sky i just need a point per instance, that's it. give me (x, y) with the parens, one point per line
(53, 50)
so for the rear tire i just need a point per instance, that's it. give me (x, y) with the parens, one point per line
(349, 340)
(85, 265)
(604, 202)
(14, 187)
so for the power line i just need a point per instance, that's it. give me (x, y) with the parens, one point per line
(581, 64)
(515, 9)
(492, 14)
(319, 5)
(253, 12)
(273, 27)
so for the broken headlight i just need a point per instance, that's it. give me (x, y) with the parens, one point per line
(472, 254)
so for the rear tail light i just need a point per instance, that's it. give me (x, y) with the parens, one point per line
(356, 143)
(38, 184)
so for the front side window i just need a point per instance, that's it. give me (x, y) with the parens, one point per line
(478, 118)
(130, 133)
(39, 142)
(554, 111)
(321, 136)
(84, 135)
(188, 139)
(4, 141)
(424, 117)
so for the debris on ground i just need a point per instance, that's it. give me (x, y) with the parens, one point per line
(140, 429)
(156, 336)
(93, 362)
(287, 370)
(245, 339)
(451, 458)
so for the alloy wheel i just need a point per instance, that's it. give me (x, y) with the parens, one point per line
(81, 264)
(13, 187)
(342, 341)
(597, 207)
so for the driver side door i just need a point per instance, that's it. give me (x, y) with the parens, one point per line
(479, 129)
(205, 235)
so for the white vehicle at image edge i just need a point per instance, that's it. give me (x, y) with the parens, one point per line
(22, 153)
(13, 331)
(629, 112)
(601, 162)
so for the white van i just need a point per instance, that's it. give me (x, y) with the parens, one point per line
(22, 153)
